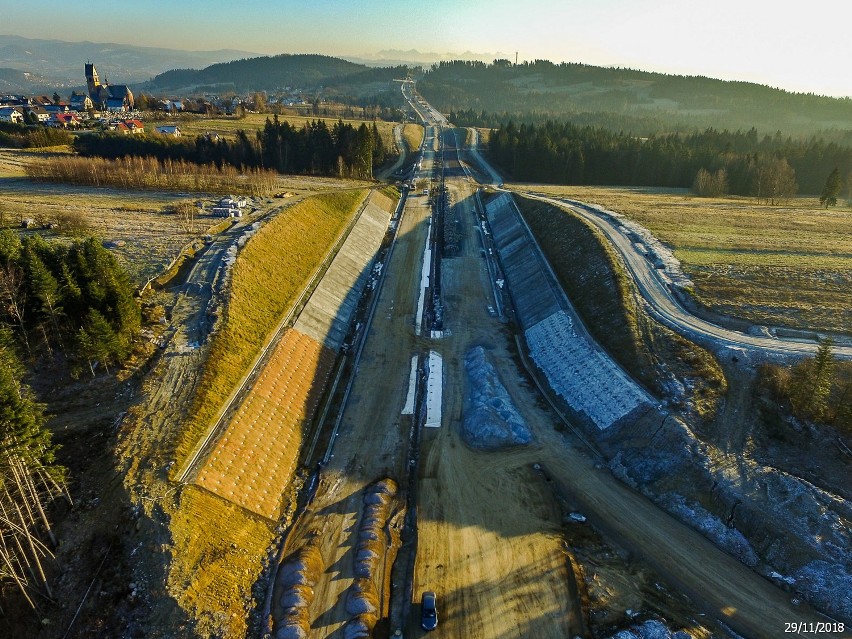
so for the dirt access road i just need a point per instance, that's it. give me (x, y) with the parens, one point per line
(489, 529)
(491, 548)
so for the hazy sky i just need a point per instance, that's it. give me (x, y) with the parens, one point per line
(796, 45)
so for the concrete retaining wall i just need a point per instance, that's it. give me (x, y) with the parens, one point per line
(576, 368)
(326, 316)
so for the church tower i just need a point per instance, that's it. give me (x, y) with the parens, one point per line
(92, 80)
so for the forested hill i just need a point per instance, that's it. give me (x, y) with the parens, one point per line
(302, 71)
(638, 102)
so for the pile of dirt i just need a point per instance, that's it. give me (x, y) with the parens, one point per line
(491, 420)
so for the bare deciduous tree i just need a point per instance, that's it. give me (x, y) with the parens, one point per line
(773, 180)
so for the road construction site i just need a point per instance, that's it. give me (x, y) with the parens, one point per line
(445, 408)
(451, 465)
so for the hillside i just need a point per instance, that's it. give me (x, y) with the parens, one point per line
(623, 99)
(301, 71)
(17, 81)
(57, 63)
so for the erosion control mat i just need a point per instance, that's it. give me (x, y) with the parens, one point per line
(254, 460)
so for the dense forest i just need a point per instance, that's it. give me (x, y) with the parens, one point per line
(73, 298)
(569, 154)
(314, 149)
(637, 102)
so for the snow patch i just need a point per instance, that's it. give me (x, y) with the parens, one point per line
(729, 539)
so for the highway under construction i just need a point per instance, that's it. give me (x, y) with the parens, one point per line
(447, 458)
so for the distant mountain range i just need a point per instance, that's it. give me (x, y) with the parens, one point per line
(483, 90)
(48, 65)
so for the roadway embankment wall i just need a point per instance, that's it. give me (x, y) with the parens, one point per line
(327, 314)
(576, 368)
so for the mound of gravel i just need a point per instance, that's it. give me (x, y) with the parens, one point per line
(362, 598)
(360, 627)
(491, 420)
(291, 632)
(296, 596)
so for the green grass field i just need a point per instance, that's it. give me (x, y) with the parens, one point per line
(775, 265)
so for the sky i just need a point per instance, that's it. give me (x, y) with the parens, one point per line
(791, 44)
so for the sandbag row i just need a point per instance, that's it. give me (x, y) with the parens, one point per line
(362, 599)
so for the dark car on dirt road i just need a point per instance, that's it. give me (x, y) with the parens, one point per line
(429, 610)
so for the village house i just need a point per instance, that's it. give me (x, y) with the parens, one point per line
(12, 100)
(12, 114)
(41, 115)
(81, 102)
(169, 129)
(65, 121)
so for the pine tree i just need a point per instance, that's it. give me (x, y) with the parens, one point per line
(29, 479)
(98, 341)
(811, 383)
(831, 189)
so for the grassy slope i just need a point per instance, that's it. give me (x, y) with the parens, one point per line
(217, 546)
(270, 272)
(413, 136)
(594, 279)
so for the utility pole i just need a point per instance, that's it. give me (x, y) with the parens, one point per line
(516, 58)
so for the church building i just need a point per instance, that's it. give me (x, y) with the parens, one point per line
(106, 96)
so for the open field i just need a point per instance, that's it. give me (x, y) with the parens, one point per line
(143, 235)
(774, 265)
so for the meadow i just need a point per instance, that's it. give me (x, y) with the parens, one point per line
(788, 266)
